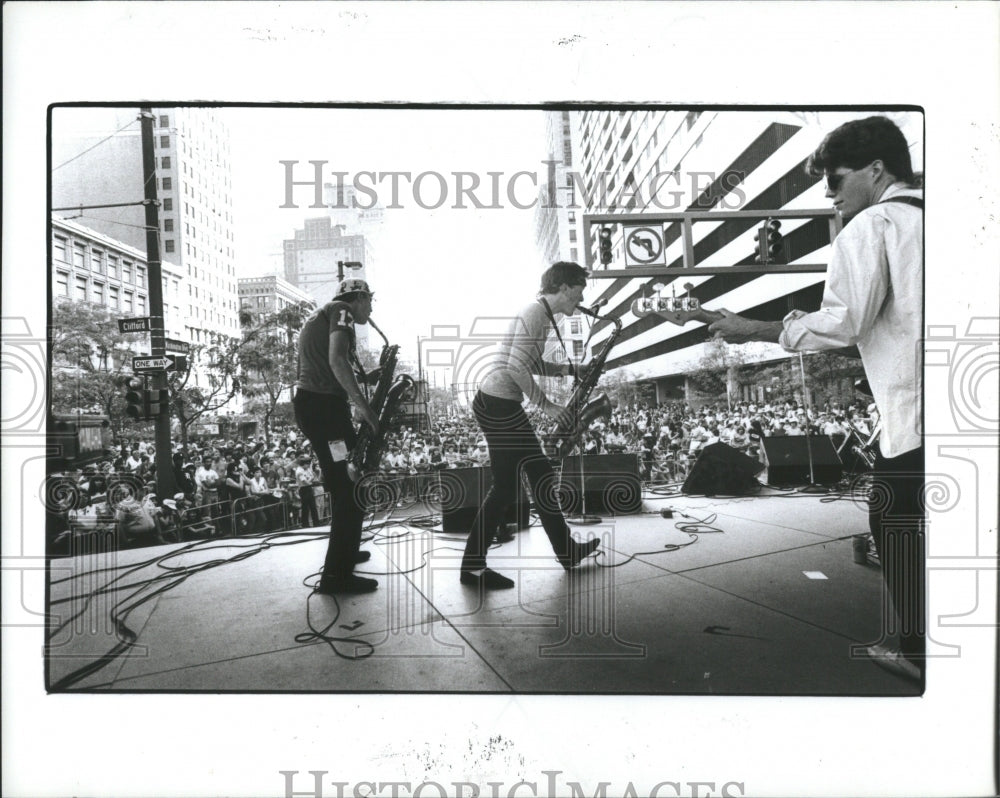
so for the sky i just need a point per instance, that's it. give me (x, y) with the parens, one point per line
(442, 266)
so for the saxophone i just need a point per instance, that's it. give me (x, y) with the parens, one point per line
(565, 437)
(389, 394)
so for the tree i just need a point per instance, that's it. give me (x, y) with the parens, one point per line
(715, 376)
(268, 359)
(624, 390)
(90, 357)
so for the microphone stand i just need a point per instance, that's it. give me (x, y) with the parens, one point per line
(808, 404)
(583, 518)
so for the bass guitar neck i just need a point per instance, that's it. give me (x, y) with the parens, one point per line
(676, 310)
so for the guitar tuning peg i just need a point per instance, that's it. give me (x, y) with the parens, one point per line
(689, 287)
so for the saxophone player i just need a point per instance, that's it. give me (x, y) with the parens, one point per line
(513, 444)
(325, 385)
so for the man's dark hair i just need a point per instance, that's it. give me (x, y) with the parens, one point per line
(563, 273)
(859, 142)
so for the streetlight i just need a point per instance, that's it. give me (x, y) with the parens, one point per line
(347, 264)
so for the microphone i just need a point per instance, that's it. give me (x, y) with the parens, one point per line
(592, 310)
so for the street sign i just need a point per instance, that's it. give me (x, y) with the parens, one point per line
(177, 346)
(644, 246)
(163, 363)
(135, 324)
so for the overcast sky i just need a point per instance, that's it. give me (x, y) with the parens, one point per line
(439, 266)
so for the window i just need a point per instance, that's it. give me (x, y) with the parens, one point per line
(168, 184)
(168, 204)
(59, 249)
(142, 304)
(113, 266)
(165, 161)
(62, 283)
(81, 289)
(126, 271)
(113, 297)
(572, 235)
(79, 256)
(574, 326)
(128, 301)
(97, 261)
(168, 245)
(164, 141)
(99, 293)
(168, 225)
(140, 276)
(164, 120)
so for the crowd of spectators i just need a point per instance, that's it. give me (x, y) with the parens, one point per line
(222, 487)
(226, 487)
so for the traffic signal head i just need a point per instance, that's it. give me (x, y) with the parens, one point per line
(156, 401)
(604, 237)
(775, 242)
(770, 243)
(135, 397)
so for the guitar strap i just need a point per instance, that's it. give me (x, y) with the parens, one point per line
(916, 202)
(552, 318)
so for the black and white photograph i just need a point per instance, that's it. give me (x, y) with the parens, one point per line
(386, 436)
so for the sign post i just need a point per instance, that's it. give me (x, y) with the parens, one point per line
(165, 484)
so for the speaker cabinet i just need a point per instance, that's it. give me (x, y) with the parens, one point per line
(788, 460)
(721, 470)
(611, 484)
(461, 492)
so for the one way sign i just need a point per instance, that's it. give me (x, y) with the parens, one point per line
(162, 363)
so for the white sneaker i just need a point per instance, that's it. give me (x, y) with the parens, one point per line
(893, 661)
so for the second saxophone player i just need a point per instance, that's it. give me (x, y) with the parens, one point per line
(512, 441)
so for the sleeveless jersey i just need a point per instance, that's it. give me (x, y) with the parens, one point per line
(314, 372)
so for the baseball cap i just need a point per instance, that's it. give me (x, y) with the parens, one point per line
(352, 285)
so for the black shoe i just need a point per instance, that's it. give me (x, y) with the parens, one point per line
(486, 578)
(329, 586)
(362, 556)
(577, 552)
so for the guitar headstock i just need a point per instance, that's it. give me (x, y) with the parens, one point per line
(676, 310)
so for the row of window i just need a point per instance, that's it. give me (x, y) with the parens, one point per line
(100, 293)
(98, 261)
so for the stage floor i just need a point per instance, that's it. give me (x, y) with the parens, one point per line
(760, 596)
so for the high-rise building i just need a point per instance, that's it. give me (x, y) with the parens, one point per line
(555, 222)
(270, 294)
(667, 161)
(97, 160)
(317, 258)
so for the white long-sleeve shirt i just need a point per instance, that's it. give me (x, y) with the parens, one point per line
(873, 299)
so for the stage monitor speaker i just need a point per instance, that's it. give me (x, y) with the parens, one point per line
(788, 460)
(462, 491)
(721, 470)
(611, 484)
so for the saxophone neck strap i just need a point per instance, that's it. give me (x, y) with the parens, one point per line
(552, 318)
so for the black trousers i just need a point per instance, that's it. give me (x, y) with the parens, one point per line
(308, 509)
(324, 418)
(513, 447)
(896, 521)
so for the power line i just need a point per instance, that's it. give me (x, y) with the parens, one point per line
(98, 144)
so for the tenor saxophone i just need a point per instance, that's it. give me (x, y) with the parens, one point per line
(585, 410)
(389, 394)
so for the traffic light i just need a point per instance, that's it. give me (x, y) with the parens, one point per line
(605, 240)
(156, 401)
(770, 243)
(136, 397)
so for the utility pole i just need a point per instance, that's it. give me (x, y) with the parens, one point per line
(165, 484)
